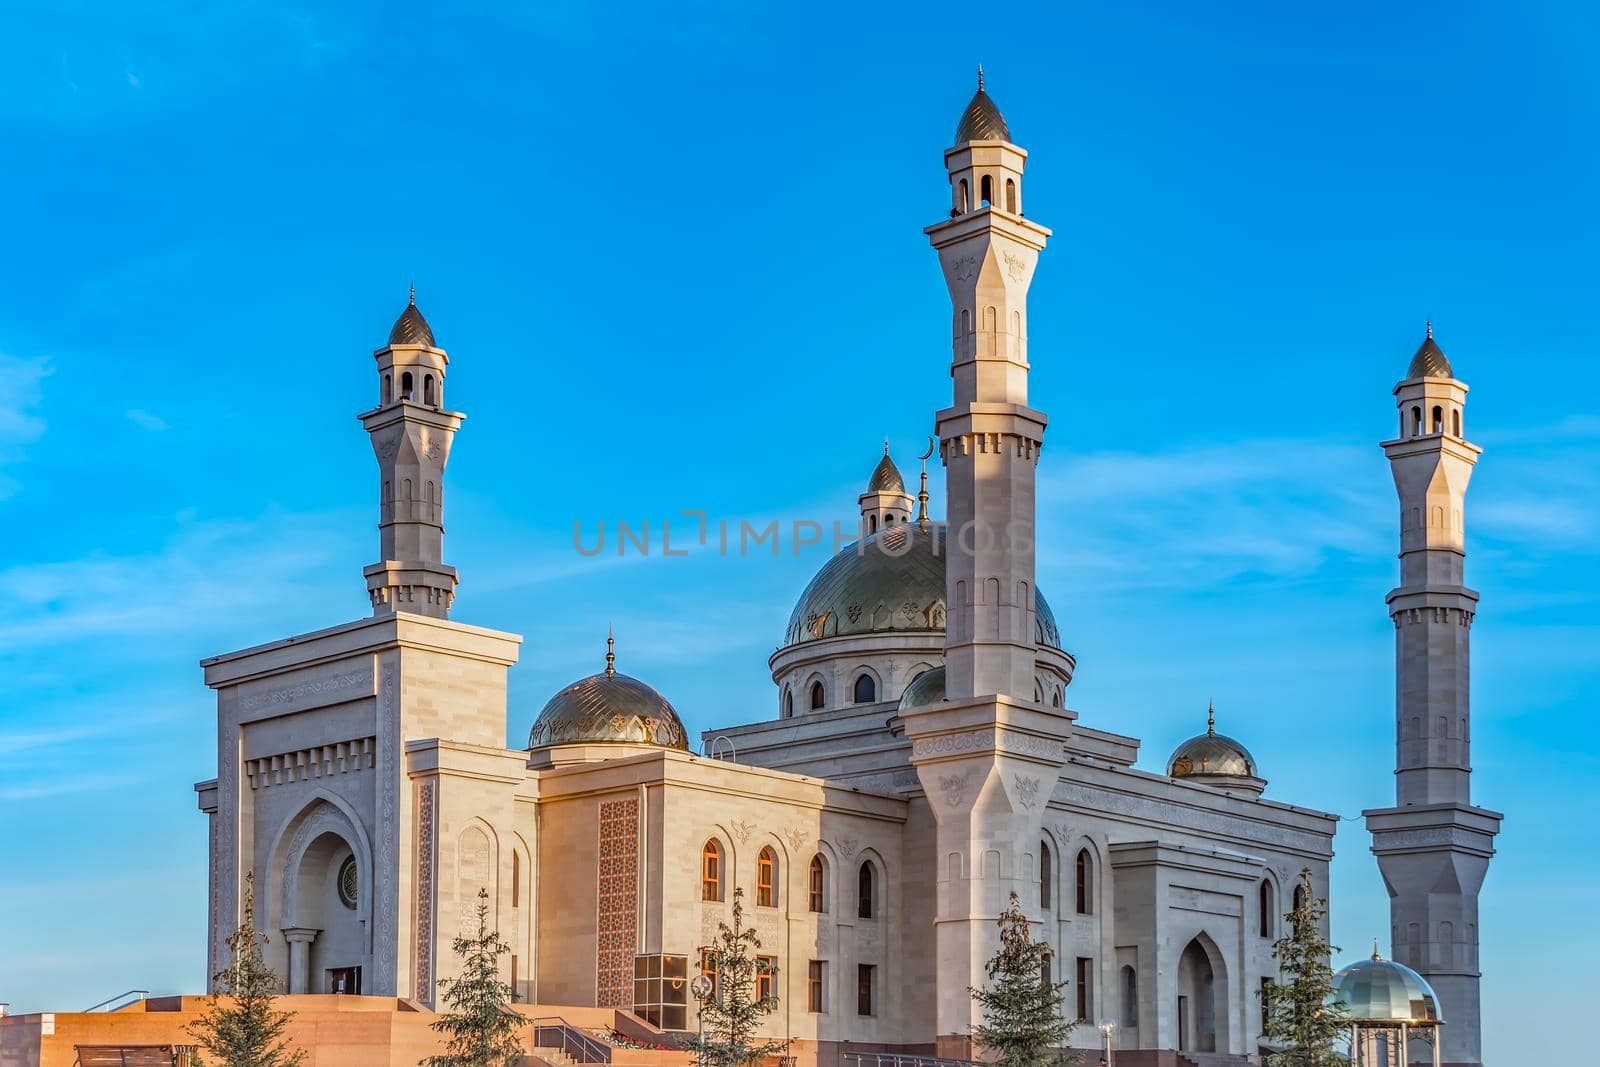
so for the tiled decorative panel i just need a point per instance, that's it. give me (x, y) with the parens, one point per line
(424, 917)
(617, 903)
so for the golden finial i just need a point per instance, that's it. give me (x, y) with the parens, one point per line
(886, 446)
(413, 301)
(1430, 329)
(1211, 718)
(1375, 949)
(611, 655)
(922, 494)
(980, 77)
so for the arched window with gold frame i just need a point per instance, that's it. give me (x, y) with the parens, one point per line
(767, 878)
(816, 886)
(711, 870)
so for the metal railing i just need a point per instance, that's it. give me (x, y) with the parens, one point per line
(897, 1059)
(554, 1032)
(112, 1002)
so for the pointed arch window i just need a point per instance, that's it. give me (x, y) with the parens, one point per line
(788, 703)
(866, 690)
(1299, 896)
(1084, 869)
(711, 870)
(427, 389)
(1267, 908)
(767, 878)
(964, 200)
(866, 892)
(987, 196)
(818, 698)
(1011, 196)
(816, 886)
(1046, 879)
(405, 386)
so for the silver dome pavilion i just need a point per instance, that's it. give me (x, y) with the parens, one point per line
(608, 708)
(1383, 992)
(1215, 759)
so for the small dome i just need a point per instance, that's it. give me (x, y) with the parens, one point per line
(1430, 361)
(1211, 755)
(1383, 991)
(982, 120)
(891, 581)
(886, 478)
(925, 689)
(411, 328)
(608, 708)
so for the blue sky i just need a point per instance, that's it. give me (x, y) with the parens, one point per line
(677, 262)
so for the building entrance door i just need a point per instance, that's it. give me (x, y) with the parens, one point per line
(1183, 1024)
(344, 980)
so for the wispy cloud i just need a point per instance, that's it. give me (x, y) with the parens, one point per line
(74, 785)
(149, 420)
(20, 421)
(209, 577)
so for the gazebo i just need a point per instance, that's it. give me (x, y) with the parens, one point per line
(1388, 1005)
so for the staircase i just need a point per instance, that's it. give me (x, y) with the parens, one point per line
(1214, 1059)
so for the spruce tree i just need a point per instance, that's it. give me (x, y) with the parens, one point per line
(1296, 1013)
(1022, 1020)
(240, 1027)
(733, 1012)
(481, 1027)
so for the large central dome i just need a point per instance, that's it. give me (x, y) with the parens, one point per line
(893, 580)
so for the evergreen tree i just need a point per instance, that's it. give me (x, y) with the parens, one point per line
(1296, 1013)
(1022, 1020)
(733, 1012)
(481, 1026)
(244, 1030)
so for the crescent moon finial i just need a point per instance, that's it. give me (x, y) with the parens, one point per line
(929, 452)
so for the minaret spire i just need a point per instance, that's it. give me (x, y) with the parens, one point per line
(411, 435)
(1211, 719)
(1434, 846)
(611, 651)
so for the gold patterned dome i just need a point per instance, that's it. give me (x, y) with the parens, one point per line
(1386, 993)
(1211, 755)
(1430, 361)
(886, 476)
(891, 581)
(411, 328)
(608, 708)
(982, 120)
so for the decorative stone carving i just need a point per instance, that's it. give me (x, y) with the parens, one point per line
(472, 874)
(424, 913)
(291, 694)
(849, 847)
(953, 787)
(798, 838)
(386, 905)
(741, 829)
(1027, 790)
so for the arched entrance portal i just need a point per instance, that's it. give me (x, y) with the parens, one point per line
(325, 902)
(1201, 1026)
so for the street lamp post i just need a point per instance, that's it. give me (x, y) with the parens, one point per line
(1106, 1030)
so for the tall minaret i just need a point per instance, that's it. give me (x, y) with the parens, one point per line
(989, 438)
(1433, 846)
(987, 757)
(411, 434)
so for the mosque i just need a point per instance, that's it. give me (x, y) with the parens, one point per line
(922, 761)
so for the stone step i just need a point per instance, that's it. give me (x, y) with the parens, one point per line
(1214, 1059)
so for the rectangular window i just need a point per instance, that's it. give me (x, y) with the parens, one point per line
(514, 978)
(661, 989)
(709, 969)
(1085, 987)
(866, 978)
(766, 970)
(814, 886)
(816, 975)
